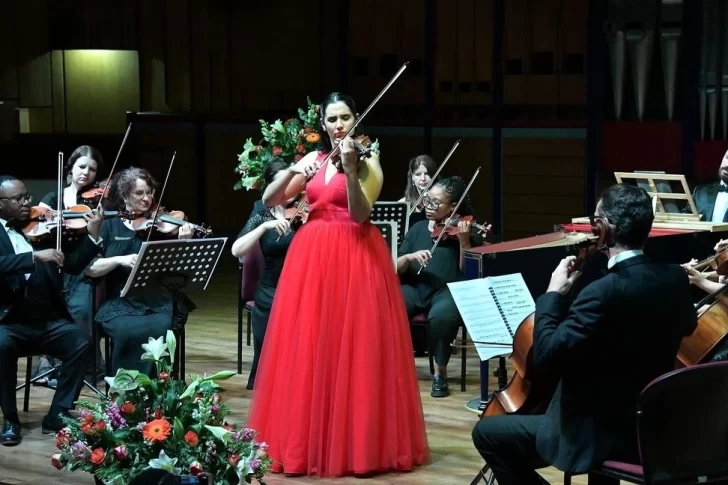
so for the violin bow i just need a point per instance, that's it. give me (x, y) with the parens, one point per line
(351, 130)
(59, 205)
(113, 167)
(161, 194)
(432, 179)
(449, 218)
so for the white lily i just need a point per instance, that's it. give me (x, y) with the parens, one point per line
(165, 463)
(155, 349)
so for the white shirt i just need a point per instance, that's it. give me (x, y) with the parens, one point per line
(623, 256)
(721, 205)
(20, 244)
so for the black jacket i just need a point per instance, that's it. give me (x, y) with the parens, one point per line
(621, 332)
(45, 276)
(704, 197)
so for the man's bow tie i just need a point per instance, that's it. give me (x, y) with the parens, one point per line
(722, 188)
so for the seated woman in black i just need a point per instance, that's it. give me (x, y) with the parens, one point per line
(264, 227)
(421, 170)
(130, 321)
(80, 172)
(427, 292)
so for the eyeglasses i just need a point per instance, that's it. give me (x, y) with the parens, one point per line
(435, 204)
(20, 199)
(139, 194)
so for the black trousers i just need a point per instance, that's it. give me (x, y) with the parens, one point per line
(59, 338)
(443, 318)
(259, 322)
(128, 333)
(508, 446)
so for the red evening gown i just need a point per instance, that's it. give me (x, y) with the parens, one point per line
(336, 391)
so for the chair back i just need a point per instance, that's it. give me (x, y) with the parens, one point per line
(251, 267)
(682, 422)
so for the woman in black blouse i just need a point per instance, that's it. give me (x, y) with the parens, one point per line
(80, 172)
(427, 292)
(421, 170)
(130, 321)
(264, 227)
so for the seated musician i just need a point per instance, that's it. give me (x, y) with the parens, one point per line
(130, 321)
(80, 173)
(711, 200)
(421, 170)
(33, 314)
(264, 227)
(427, 292)
(621, 332)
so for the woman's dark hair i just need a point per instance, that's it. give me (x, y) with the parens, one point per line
(629, 209)
(274, 166)
(411, 193)
(124, 182)
(454, 188)
(82, 151)
(332, 98)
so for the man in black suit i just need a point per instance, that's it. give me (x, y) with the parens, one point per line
(711, 200)
(621, 331)
(33, 315)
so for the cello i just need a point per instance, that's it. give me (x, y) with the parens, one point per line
(530, 390)
(711, 331)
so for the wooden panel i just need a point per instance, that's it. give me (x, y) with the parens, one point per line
(412, 87)
(466, 52)
(397, 151)
(386, 41)
(59, 91)
(199, 55)
(483, 48)
(152, 61)
(573, 35)
(361, 50)
(100, 87)
(177, 55)
(219, 23)
(8, 66)
(536, 166)
(33, 56)
(446, 55)
(543, 204)
(544, 146)
(514, 85)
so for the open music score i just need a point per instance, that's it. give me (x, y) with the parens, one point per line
(492, 308)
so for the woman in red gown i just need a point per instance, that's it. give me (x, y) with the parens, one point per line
(337, 390)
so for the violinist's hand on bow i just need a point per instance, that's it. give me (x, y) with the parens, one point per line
(279, 225)
(423, 257)
(564, 276)
(128, 260)
(348, 155)
(94, 220)
(720, 245)
(186, 231)
(306, 166)
(464, 234)
(696, 276)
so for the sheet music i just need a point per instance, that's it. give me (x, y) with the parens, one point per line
(492, 308)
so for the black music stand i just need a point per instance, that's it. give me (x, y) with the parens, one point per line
(393, 211)
(389, 231)
(173, 266)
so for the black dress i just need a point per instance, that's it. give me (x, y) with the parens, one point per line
(130, 321)
(274, 255)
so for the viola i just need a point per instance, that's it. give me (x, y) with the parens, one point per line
(93, 194)
(43, 221)
(530, 389)
(168, 222)
(452, 227)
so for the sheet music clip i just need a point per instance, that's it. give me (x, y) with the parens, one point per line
(173, 266)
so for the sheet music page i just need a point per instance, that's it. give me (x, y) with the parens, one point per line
(514, 298)
(482, 317)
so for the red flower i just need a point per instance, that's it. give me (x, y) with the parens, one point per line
(100, 426)
(308, 130)
(277, 151)
(195, 468)
(164, 376)
(121, 453)
(62, 439)
(127, 407)
(300, 148)
(56, 461)
(233, 459)
(98, 456)
(298, 157)
(191, 438)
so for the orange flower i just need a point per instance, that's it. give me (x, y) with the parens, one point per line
(157, 430)
(191, 438)
(313, 137)
(98, 456)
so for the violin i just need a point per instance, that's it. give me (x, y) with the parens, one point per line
(530, 389)
(362, 147)
(718, 262)
(297, 213)
(167, 223)
(452, 227)
(43, 221)
(93, 194)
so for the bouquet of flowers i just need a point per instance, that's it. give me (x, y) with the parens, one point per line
(160, 423)
(289, 140)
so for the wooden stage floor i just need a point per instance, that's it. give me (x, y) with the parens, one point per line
(211, 346)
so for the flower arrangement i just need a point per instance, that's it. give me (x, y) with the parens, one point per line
(160, 423)
(289, 140)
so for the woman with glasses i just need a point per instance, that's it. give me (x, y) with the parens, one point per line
(130, 321)
(427, 292)
(80, 173)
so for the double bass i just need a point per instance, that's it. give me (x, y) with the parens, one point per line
(530, 389)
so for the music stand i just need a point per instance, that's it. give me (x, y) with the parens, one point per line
(664, 203)
(393, 211)
(389, 230)
(174, 265)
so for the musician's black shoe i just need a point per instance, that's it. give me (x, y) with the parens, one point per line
(52, 424)
(439, 387)
(11, 433)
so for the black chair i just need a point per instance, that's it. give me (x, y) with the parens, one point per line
(682, 427)
(29, 381)
(249, 270)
